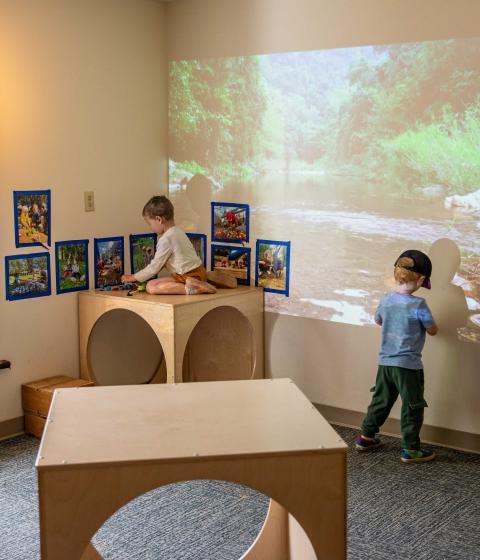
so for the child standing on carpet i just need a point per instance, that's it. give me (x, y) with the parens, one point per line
(405, 319)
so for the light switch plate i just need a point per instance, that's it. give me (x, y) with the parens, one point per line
(89, 201)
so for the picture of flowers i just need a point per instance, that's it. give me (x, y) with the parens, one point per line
(142, 250)
(272, 268)
(109, 263)
(230, 222)
(199, 242)
(27, 276)
(234, 260)
(32, 217)
(71, 263)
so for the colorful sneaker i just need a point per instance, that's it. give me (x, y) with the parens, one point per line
(414, 456)
(363, 443)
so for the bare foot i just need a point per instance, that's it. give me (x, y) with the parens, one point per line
(194, 286)
(221, 279)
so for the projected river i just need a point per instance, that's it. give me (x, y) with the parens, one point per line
(352, 154)
(345, 239)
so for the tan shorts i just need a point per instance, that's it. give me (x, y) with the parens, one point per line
(200, 273)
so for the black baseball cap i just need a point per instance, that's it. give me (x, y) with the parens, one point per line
(421, 264)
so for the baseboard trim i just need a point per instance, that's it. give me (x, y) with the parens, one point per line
(463, 441)
(11, 428)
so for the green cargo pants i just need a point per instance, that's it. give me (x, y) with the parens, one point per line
(392, 381)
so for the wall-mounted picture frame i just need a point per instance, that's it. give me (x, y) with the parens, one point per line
(199, 242)
(27, 276)
(109, 261)
(230, 222)
(142, 250)
(272, 266)
(71, 266)
(32, 217)
(234, 260)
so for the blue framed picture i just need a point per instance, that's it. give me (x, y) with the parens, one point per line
(234, 260)
(230, 222)
(33, 217)
(109, 261)
(199, 242)
(142, 250)
(272, 266)
(27, 276)
(71, 265)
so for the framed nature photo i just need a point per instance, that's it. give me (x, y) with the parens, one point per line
(109, 261)
(71, 265)
(142, 250)
(234, 260)
(230, 222)
(32, 216)
(272, 266)
(27, 276)
(199, 242)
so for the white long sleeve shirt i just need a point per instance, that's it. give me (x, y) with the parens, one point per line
(175, 252)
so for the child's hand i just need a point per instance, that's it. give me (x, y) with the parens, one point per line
(127, 278)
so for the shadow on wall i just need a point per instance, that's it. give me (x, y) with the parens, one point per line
(335, 363)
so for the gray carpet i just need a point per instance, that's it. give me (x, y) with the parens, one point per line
(396, 511)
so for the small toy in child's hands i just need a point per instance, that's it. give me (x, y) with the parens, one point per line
(118, 287)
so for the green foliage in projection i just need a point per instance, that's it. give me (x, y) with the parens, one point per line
(414, 114)
(216, 110)
(405, 114)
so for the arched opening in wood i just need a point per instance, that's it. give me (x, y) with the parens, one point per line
(124, 350)
(221, 347)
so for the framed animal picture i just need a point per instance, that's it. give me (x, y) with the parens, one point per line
(142, 250)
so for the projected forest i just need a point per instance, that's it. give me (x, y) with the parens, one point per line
(353, 155)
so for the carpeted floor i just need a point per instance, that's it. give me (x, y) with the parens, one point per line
(396, 511)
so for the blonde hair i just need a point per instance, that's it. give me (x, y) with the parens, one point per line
(402, 274)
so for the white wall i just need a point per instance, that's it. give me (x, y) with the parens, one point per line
(335, 364)
(82, 107)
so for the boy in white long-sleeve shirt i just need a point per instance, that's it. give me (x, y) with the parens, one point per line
(174, 251)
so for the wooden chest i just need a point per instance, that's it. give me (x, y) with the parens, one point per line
(37, 396)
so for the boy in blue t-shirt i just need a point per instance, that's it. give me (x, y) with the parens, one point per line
(405, 319)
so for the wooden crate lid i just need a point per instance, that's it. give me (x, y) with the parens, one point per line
(42, 384)
(121, 424)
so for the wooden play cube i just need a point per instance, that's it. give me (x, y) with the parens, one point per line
(143, 338)
(37, 397)
(264, 434)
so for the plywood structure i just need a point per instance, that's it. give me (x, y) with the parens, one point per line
(264, 434)
(147, 338)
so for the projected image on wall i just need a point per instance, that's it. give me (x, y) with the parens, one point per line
(353, 155)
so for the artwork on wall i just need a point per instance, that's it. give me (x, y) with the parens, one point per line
(199, 242)
(234, 260)
(27, 276)
(142, 250)
(272, 266)
(109, 261)
(230, 222)
(71, 265)
(32, 212)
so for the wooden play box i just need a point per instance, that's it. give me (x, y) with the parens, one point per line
(37, 397)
